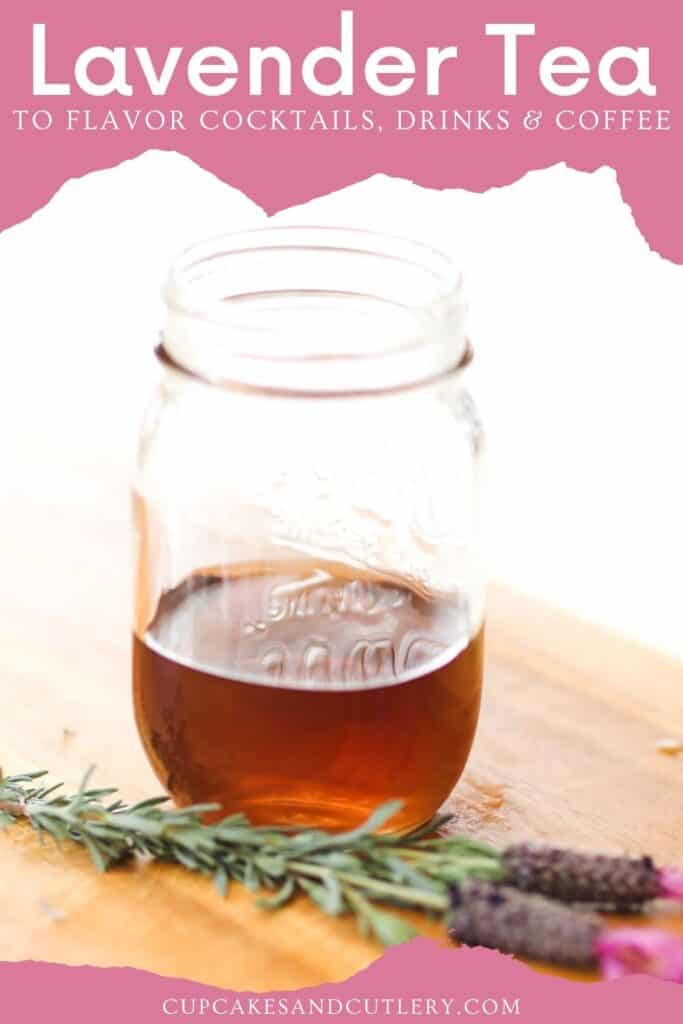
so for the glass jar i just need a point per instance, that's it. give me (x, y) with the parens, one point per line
(310, 592)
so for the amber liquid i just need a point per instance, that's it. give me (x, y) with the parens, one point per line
(307, 693)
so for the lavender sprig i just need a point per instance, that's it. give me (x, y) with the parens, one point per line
(576, 877)
(358, 871)
(503, 918)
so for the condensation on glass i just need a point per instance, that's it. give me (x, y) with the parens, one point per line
(310, 593)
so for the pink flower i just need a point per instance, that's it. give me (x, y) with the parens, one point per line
(623, 951)
(671, 883)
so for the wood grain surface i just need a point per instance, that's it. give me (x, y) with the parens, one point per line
(566, 751)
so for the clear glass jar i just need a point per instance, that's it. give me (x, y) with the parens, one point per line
(310, 592)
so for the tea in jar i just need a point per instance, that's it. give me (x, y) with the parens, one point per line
(309, 635)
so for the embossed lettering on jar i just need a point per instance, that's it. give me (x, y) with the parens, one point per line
(309, 616)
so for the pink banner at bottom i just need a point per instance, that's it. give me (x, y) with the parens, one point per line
(420, 980)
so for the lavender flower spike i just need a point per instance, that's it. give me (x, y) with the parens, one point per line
(526, 924)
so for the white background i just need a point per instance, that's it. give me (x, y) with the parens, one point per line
(576, 325)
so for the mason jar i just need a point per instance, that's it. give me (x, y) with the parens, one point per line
(310, 593)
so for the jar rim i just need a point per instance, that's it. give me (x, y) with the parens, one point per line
(222, 326)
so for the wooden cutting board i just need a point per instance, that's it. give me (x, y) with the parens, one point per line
(566, 751)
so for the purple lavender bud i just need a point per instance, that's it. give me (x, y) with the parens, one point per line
(496, 916)
(576, 877)
(486, 914)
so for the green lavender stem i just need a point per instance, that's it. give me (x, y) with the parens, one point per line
(341, 873)
(411, 897)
